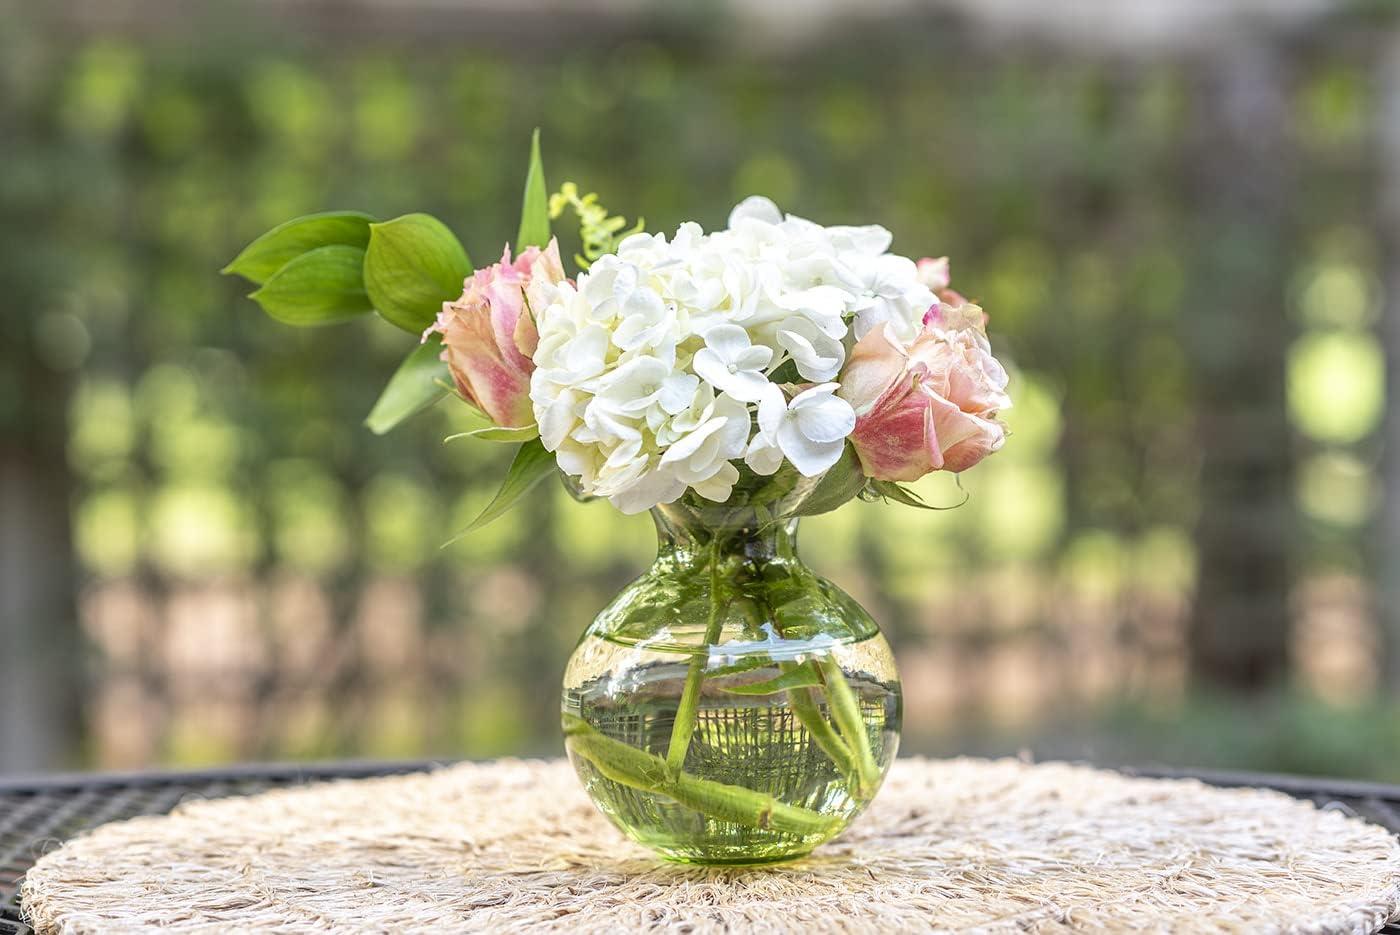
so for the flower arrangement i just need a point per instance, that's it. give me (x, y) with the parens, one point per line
(729, 705)
(668, 366)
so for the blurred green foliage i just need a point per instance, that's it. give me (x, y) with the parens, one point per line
(223, 473)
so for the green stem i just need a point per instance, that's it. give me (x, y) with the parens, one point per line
(803, 702)
(845, 709)
(684, 727)
(625, 764)
(804, 706)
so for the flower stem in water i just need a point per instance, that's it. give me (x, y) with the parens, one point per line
(845, 709)
(684, 726)
(803, 703)
(625, 764)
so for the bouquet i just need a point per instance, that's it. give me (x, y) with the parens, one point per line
(729, 705)
(666, 367)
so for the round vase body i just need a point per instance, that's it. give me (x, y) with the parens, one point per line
(730, 706)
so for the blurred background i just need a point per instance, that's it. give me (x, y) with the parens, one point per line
(1183, 217)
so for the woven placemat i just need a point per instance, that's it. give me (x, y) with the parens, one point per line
(956, 845)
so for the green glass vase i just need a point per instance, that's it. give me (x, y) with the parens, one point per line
(730, 706)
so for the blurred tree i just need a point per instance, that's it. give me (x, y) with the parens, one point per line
(1388, 229)
(39, 349)
(1236, 329)
(260, 574)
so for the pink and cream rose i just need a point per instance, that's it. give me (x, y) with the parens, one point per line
(489, 334)
(932, 405)
(951, 310)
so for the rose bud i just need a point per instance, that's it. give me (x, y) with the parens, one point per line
(931, 406)
(489, 335)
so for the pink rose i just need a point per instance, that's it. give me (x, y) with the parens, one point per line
(930, 406)
(951, 310)
(933, 272)
(489, 335)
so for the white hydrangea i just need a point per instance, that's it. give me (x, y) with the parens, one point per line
(654, 374)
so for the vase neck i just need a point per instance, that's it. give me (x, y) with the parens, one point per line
(684, 532)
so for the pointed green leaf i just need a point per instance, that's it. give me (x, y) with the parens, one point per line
(265, 256)
(803, 676)
(499, 433)
(532, 464)
(534, 211)
(416, 385)
(893, 490)
(412, 266)
(840, 484)
(320, 287)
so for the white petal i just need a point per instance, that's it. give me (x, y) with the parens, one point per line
(813, 394)
(688, 445)
(607, 421)
(677, 391)
(764, 456)
(772, 409)
(754, 358)
(710, 366)
(821, 303)
(653, 488)
(624, 281)
(556, 419)
(870, 239)
(577, 461)
(811, 363)
(644, 302)
(719, 485)
(727, 341)
(736, 430)
(745, 385)
(634, 332)
(827, 420)
(809, 457)
(583, 355)
(755, 207)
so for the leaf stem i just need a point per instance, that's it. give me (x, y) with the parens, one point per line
(625, 764)
(845, 710)
(803, 702)
(686, 713)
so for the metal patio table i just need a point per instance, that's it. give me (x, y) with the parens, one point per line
(39, 813)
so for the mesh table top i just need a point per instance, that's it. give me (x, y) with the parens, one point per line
(36, 815)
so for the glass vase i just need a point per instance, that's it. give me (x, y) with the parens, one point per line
(730, 706)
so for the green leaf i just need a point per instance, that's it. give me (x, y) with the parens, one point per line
(534, 211)
(532, 464)
(892, 490)
(772, 490)
(262, 258)
(803, 676)
(320, 287)
(412, 266)
(416, 385)
(499, 433)
(839, 485)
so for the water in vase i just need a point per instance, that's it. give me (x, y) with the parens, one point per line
(766, 772)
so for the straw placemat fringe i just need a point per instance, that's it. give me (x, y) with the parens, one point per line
(954, 846)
